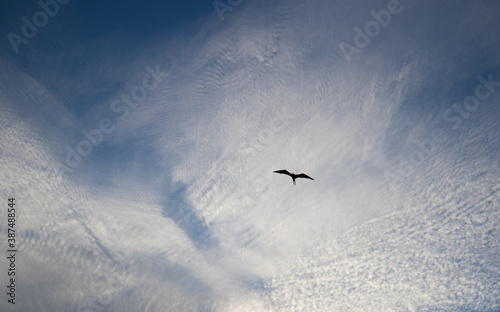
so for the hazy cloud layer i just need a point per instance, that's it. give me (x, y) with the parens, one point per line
(175, 207)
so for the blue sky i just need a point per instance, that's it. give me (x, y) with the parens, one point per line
(139, 141)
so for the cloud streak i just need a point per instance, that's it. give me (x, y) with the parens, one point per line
(177, 209)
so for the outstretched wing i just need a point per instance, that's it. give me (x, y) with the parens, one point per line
(283, 172)
(303, 175)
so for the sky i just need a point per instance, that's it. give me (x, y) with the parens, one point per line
(139, 141)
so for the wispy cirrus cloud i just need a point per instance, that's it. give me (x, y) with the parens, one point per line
(177, 208)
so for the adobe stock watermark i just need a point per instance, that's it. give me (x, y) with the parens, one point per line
(221, 8)
(123, 107)
(103, 300)
(249, 148)
(277, 124)
(455, 115)
(372, 29)
(100, 303)
(40, 19)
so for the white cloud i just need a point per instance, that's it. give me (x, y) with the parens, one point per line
(178, 208)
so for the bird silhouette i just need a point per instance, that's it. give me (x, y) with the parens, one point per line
(293, 175)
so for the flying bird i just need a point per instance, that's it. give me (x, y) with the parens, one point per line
(293, 175)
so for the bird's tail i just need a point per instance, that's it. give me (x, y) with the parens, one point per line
(293, 181)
